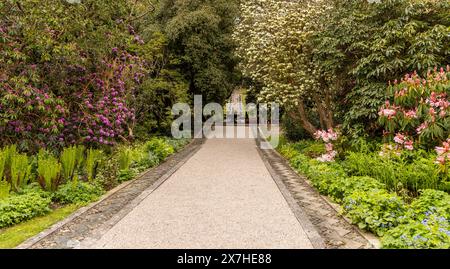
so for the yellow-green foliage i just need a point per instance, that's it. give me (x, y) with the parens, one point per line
(80, 156)
(71, 159)
(20, 171)
(13, 236)
(5, 188)
(2, 163)
(125, 158)
(92, 160)
(5, 161)
(49, 171)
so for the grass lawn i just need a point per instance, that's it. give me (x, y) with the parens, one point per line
(13, 236)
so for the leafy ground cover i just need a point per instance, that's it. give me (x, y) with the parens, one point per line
(74, 178)
(13, 236)
(402, 218)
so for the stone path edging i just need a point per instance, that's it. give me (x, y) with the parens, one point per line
(336, 230)
(373, 239)
(316, 240)
(33, 240)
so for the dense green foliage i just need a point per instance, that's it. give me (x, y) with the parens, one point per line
(328, 62)
(87, 72)
(419, 112)
(78, 193)
(401, 220)
(87, 87)
(199, 34)
(18, 208)
(407, 171)
(78, 176)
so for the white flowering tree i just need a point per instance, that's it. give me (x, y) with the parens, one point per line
(274, 47)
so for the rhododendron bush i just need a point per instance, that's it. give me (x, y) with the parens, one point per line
(418, 114)
(71, 71)
(101, 113)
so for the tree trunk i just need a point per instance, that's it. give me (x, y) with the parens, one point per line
(306, 124)
(322, 113)
(329, 109)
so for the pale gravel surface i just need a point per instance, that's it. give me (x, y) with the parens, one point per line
(223, 197)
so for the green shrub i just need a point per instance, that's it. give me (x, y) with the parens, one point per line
(422, 224)
(93, 159)
(5, 188)
(18, 208)
(71, 159)
(288, 151)
(431, 202)
(108, 172)
(20, 171)
(310, 148)
(7, 153)
(125, 175)
(300, 162)
(432, 232)
(49, 171)
(396, 173)
(159, 147)
(152, 159)
(323, 175)
(177, 144)
(2, 163)
(375, 210)
(125, 158)
(345, 186)
(141, 159)
(78, 193)
(36, 189)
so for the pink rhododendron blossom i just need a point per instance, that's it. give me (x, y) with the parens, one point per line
(423, 102)
(328, 157)
(399, 139)
(327, 137)
(329, 147)
(422, 127)
(443, 153)
(409, 145)
(387, 112)
(411, 114)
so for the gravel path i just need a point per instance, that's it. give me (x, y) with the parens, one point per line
(222, 197)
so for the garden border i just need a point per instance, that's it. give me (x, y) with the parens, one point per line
(294, 202)
(196, 143)
(311, 231)
(370, 237)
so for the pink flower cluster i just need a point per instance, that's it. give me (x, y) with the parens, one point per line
(389, 111)
(420, 106)
(327, 137)
(438, 103)
(328, 157)
(31, 114)
(404, 141)
(103, 114)
(443, 153)
(422, 127)
(411, 114)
